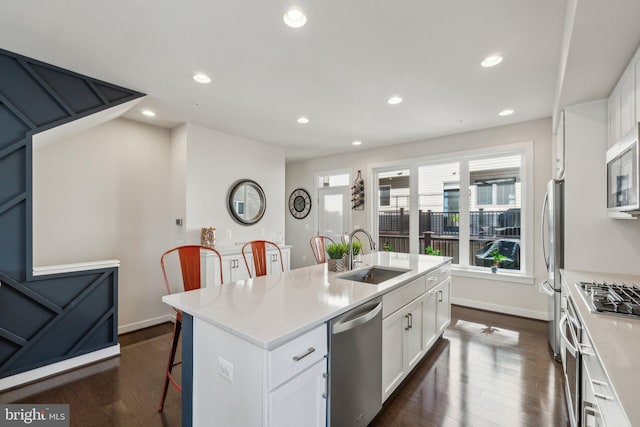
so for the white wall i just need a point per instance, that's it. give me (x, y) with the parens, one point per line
(489, 294)
(214, 161)
(115, 191)
(102, 194)
(594, 242)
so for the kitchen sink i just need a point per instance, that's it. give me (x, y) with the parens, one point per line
(374, 275)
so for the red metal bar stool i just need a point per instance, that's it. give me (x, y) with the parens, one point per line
(318, 247)
(259, 252)
(189, 257)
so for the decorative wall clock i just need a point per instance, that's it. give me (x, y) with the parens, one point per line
(299, 203)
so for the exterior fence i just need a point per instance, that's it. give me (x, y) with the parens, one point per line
(440, 230)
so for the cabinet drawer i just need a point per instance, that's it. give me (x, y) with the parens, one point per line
(297, 355)
(394, 300)
(437, 276)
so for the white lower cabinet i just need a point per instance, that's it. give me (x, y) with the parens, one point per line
(600, 406)
(234, 268)
(443, 306)
(301, 401)
(401, 345)
(429, 319)
(414, 316)
(236, 383)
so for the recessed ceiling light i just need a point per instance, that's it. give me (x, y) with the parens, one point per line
(303, 120)
(394, 100)
(506, 112)
(357, 143)
(148, 113)
(491, 61)
(202, 78)
(294, 18)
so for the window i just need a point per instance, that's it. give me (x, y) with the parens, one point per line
(489, 220)
(385, 195)
(333, 180)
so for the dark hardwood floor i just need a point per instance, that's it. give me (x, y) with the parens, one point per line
(489, 369)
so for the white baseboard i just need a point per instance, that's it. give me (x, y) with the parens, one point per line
(539, 315)
(58, 367)
(146, 323)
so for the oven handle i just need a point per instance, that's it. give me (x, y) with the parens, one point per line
(567, 343)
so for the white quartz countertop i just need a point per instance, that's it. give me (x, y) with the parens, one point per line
(271, 310)
(616, 340)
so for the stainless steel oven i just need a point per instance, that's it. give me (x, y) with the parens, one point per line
(571, 334)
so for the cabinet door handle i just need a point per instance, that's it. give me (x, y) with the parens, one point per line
(588, 409)
(432, 278)
(410, 320)
(406, 328)
(326, 385)
(303, 355)
(440, 296)
(602, 396)
(598, 382)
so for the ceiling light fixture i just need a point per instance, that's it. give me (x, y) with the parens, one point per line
(294, 18)
(202, 78)
(506, 112)
(303, 120)
(356, 143)
(148, 113)
(394, 100)
(491, 61)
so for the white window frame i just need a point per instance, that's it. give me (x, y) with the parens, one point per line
(527, 208)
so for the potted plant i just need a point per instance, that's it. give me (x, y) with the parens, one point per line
(430, 251)
(387, 247)
(497, 257)
(336, 252)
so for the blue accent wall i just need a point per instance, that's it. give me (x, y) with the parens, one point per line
(50, 318)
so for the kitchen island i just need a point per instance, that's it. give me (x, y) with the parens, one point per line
(254, 351)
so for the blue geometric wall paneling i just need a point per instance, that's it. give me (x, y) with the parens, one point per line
(50, 318)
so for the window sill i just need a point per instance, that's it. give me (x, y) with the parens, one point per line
(500, 276)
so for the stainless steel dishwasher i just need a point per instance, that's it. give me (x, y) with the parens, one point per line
(355, 365)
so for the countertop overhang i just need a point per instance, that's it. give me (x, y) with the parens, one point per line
(271, 310)
(616, 340)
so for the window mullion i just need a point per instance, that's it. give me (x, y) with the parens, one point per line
(414, 220)
(463, 228)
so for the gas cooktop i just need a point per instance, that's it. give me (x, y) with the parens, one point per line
(612, 298)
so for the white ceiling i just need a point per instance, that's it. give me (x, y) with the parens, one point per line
(340, 68)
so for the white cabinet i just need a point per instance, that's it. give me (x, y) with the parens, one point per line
(437, 312)
(636, 70)
(234, 267)
(414, 316)
(429, 320)
(443, 305)
(236, 383)
(558, 148)
(614, 116)
(600, 405)
(624, 102)
(300, 402)
(401, 345)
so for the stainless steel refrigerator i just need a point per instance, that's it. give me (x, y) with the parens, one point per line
(553, 252)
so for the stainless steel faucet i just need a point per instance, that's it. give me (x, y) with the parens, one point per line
(372, 244)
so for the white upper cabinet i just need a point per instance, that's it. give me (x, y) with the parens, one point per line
(624, 102)
(636, 70)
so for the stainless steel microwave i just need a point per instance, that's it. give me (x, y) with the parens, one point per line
(622, 174)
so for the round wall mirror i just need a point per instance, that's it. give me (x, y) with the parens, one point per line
(246, 202)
